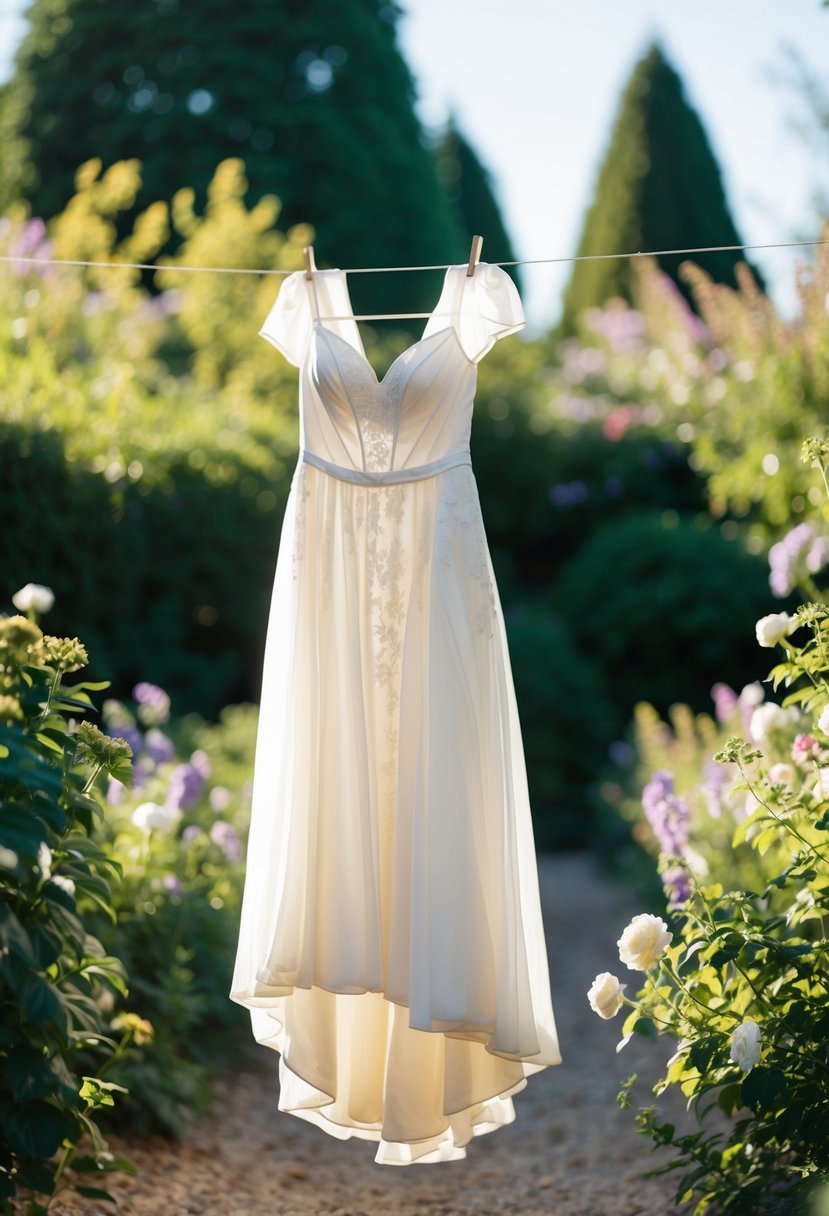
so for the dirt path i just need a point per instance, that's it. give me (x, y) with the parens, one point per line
(570, 1152)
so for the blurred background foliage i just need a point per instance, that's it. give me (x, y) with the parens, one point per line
(634, 463)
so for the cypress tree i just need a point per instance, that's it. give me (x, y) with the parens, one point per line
(659, 187)
(469, 187)
(313, 95)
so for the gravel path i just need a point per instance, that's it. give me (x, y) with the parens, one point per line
(570, 1152)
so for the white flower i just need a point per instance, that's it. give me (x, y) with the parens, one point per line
(34, 595)
(772, 717)
(823, 721)
(44, 859)
(753, 694)
(820, 790)
(781, 774)
(745, 1045)
(150, 815)
(605, 995)
(643, 941)
(773, 628)
(65, 884)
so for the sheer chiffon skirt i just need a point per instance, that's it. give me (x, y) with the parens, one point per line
(391, 946)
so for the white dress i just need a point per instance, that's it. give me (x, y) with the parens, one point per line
(391, 945)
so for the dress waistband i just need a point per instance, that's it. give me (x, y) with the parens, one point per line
(387, 476)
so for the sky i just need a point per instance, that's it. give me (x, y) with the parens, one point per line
(535, 84)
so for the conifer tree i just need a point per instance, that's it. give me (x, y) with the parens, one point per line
(314, 96)
(469, 187)
(659, 187)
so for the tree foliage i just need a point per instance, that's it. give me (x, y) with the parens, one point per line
(659, 187)
(315, 99)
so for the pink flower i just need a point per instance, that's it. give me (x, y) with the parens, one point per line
(805, 748)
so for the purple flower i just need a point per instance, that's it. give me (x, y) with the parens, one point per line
(725, 701)
(677, 883)
(171, 883)
(32, 242)
(192, 832)
(115, 791)
(225, 837)
(142, 769)
(159, 745)
(220, 798)
(667, 814)
(715, 778)
(153, 702)
(621, 752)
(132, 735)
(622, 327)
(201, 761)
(185, 787)
(565, 493)
(800, 550)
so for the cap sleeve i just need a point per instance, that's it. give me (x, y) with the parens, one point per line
(288, 325)
(490, 309)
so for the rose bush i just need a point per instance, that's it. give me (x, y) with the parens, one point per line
(740, 979)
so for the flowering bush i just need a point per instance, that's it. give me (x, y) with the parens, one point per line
(735, 386)
(177, 831)
(58, 983)
(740, 978)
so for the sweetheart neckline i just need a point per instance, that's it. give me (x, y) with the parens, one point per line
(378, 380)
(360, 351)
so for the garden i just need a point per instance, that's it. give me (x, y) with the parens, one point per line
(654, 480)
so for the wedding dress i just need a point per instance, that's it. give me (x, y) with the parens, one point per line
(391, 946)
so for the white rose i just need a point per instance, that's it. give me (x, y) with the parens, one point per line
(605, 995)
(753, 694)
(823, 721)
(44, 859)
(643, 941)
(151, 815)
(34, 595)
(773, 628)
(771, 717)
(781, 774)
(65, 884)
(745, 1045)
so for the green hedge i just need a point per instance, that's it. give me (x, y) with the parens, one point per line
(664, 606)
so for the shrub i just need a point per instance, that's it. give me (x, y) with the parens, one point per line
(564, 723)
(57, 981)
(739, 980)
(178, 832)
(651, 600)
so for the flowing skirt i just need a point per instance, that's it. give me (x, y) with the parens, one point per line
(391, 946)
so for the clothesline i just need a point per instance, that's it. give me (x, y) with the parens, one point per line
(583, 257)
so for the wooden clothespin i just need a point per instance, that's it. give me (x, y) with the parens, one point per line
(310, 264)
(474, 254)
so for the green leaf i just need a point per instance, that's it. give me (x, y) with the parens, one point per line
(94, 1192)
(48, 741)
(30, 1073)
(728, 1098)
(35, 1129)
(763, 1087)
(645, 1026)
(702, 1052)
